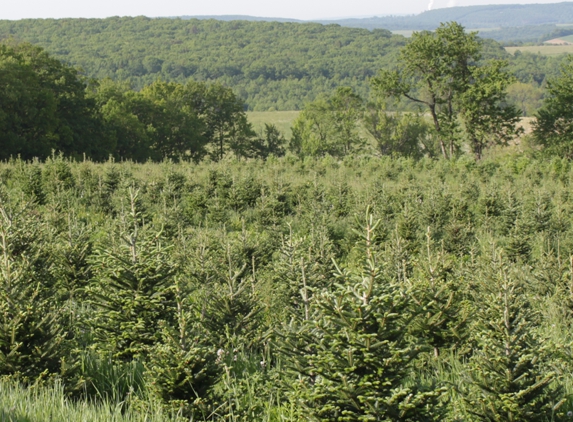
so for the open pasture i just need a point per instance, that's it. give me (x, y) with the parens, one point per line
(281, 119)
(546, 50)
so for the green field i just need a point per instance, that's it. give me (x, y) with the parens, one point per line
(281, 119)
(568, 38)
(546, 50)
(408, 32)
(404, 32)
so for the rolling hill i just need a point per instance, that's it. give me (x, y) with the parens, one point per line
(270, 65)
(477, 17)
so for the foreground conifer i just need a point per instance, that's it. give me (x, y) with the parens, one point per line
(32, 344)
(352, 358)
(510, 376)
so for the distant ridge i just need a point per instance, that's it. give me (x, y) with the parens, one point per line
(492, 16)
(228, 18)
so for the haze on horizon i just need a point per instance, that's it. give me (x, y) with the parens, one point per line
(295, 9)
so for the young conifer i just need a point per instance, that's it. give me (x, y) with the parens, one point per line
(443, 310)
(32, 344)
(508, 371)
(231, 311)
(132, 287)
(352, 357)
(182, 368)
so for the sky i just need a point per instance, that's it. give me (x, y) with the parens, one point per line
(297, 9)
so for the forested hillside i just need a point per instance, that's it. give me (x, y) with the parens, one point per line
(269, 65)
(489, 16)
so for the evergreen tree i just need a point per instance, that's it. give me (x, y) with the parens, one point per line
(510, 379)
(182, 367)
(32, 343)
(443, 309)
(231, 308)
(131, 289)
(352, 358)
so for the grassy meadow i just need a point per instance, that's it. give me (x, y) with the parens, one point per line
(546, 50)
(281, 119)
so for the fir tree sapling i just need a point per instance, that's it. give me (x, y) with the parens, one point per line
(352, 359)
(509, 375)
(131, 291)
(32, 343)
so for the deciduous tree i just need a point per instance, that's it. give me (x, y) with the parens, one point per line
(440, 72)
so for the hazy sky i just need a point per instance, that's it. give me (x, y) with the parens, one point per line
(299, 9)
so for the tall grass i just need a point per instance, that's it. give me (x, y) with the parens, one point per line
(50, 403)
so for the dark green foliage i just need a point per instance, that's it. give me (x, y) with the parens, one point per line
(182, 368)
(131, 289)
(399, 134)
(270, 65)
(230, 309)
(510, 380)
(171, 120)
(32, 343)
(271, 141)
(350, 353)
(57, 175)
(554, 126)
(47, 106)
(32, 183)
(44, 106)
(440, 72)
(329, 125)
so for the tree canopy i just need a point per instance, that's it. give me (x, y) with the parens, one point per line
(47, 105)
(441, 72)
(269, 65)
(553, 128)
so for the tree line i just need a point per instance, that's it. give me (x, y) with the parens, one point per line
(456, 96)
(457, 100)
(47, 105)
